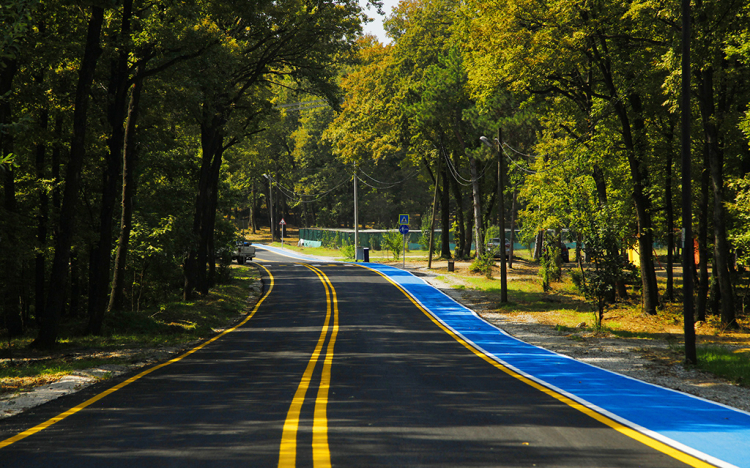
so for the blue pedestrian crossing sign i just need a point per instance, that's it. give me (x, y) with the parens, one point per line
(403, 219)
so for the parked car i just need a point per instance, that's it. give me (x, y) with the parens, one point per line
(243, 251)
(494, 246)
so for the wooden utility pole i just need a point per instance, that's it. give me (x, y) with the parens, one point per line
(432, 221)
(501, 210)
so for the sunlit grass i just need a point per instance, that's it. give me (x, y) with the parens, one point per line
(721, 361)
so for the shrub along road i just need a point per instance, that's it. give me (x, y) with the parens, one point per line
(335, 365)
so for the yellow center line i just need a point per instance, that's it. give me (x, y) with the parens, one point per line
(288, 449)
(619, 427)
(89, 402)
(321, 450)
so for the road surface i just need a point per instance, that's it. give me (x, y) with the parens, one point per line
(336, 366)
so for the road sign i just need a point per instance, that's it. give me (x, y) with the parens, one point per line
(282, 222)
(403, 229)
(403, 219)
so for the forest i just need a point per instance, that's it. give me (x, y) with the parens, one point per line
(138, 138)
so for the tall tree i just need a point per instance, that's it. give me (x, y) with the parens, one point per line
(48, 326)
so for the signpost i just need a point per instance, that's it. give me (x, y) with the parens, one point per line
(282, 223)
(403, 220)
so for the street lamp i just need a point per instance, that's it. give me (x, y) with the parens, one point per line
(501, 209)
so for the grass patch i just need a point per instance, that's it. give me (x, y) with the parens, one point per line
(721, 361)
(316, 251)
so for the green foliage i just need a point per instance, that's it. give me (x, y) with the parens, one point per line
(348, 250)
(394, 242)
(550, 268)
(375, 242)
(597, 282)
(739, 209)
(328, 240)
(483, 264)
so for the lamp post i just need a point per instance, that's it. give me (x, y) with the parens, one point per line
(501, 209)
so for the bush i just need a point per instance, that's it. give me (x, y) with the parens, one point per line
(327, 239)
(483, 264)
(348, 250)
(551, 264)
(223, 273)
(393, 241)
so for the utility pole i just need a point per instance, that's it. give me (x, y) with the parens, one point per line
(270, 203)
(432, 221)
(501, 210)
(356, 217)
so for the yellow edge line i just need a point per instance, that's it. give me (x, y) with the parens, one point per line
(321, 449)
(288, 448)
(109, 391)
(630, 432)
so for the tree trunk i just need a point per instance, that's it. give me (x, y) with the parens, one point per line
(469, 237)
(703, 283)
(635, 141)
(48, 329)
(40, 261)
(716, 162)
(10, 263)
(475, 192)
(129, 163)
(212, 139)
(116, 112)
(252, 221)
(461, 240)
(670, 223)
(211, 220)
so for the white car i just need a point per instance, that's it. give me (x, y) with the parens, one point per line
(243, 251)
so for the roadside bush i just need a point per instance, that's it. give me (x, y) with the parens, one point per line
(394, 242)
(483, 264)
(347, 250)
(550, 268)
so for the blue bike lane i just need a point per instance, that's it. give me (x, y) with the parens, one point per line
(709, 431)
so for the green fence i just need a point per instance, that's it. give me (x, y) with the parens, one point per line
(372, 238)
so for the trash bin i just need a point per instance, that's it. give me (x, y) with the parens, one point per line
(367, 254)
(360, 254)
(450, 265)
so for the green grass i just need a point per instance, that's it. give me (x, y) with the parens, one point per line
(316, 251)
(732, 365)
(53, 367)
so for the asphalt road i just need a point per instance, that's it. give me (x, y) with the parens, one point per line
(336, 367)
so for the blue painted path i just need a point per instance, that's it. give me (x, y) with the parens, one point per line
(706, 430)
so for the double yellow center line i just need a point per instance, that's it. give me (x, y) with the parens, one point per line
(321, 451)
